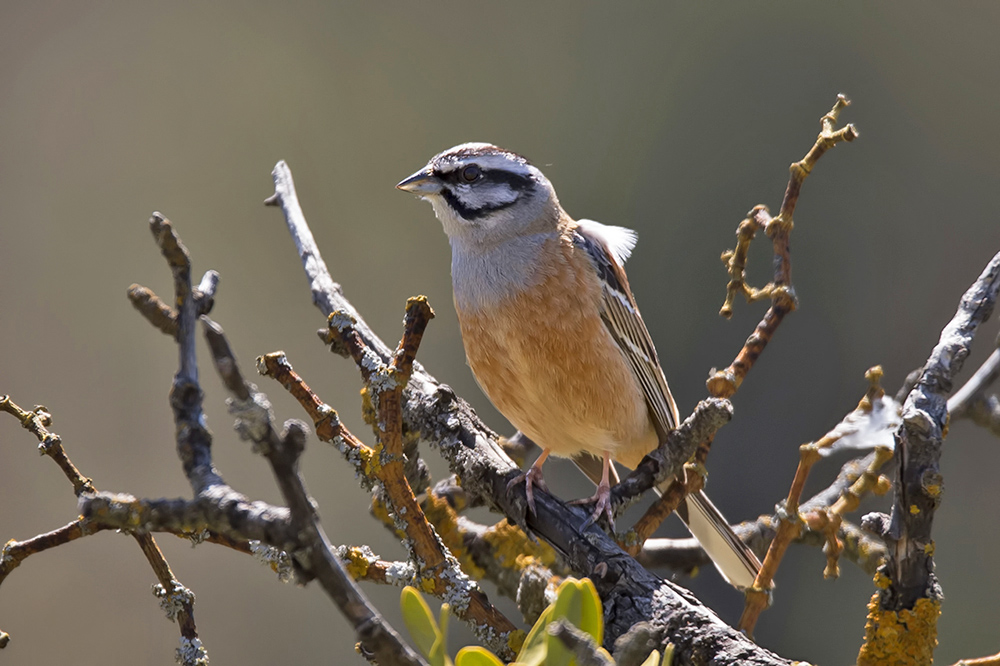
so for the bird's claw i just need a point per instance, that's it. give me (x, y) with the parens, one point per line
(532, 479)
(602, 506)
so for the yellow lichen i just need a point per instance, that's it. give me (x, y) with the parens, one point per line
(357, 564)
(444, 519)
(513, 549)
(428, 585)
(903, 638)
(370, 462)
(368, 411)
(914, 509)
(381, 513)
(515, 640)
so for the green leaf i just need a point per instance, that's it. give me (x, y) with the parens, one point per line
(443, 618)
(591, 613)
(567, 606)
(535, 647)
(420, 622)
(653, 659)
(476, 656)
(578, 602)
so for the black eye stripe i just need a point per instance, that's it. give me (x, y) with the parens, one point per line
(516, 181)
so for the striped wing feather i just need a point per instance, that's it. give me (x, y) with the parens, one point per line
(734, 560)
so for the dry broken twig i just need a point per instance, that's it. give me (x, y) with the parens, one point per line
(175, 599)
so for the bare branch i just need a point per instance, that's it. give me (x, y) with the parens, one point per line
(15, 552)
(377, 637)
(972, 402)
(37, 422)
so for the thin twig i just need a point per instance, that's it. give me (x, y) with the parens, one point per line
(725, 383)
(255, 423)
(862, 549)
(37, 422)
(972, 402)
(992, 660)
(791, 522)
(15, 552)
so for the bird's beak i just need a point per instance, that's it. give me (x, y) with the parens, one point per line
(423, 182)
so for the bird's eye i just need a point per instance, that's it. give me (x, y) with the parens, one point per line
(471, 173)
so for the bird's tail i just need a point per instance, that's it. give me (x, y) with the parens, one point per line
(733, 558)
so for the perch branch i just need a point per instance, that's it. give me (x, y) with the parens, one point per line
(440, 572)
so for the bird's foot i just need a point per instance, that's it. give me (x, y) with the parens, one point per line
(532, 479)
(602, 505)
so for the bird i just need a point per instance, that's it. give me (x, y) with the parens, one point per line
(552, 332)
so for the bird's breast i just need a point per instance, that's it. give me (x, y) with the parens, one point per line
(544, 357)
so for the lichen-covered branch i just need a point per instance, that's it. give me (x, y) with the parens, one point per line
(902, 617)
(439, 573)
(315, 556)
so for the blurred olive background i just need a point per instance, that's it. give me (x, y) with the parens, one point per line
(672, 120)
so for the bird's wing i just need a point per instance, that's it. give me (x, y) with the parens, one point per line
(608, 247)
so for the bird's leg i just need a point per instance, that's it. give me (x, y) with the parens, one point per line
(601, 498)
(531, 478)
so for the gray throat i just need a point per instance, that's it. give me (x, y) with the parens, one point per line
(484, 277)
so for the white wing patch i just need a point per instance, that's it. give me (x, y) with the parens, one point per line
(618, 240)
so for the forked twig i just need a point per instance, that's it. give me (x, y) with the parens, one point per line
(178, 597)
(725, 383)
(828, 520)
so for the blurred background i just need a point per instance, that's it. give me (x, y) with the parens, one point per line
(673, 121)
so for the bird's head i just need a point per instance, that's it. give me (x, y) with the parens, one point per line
(485, 195)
